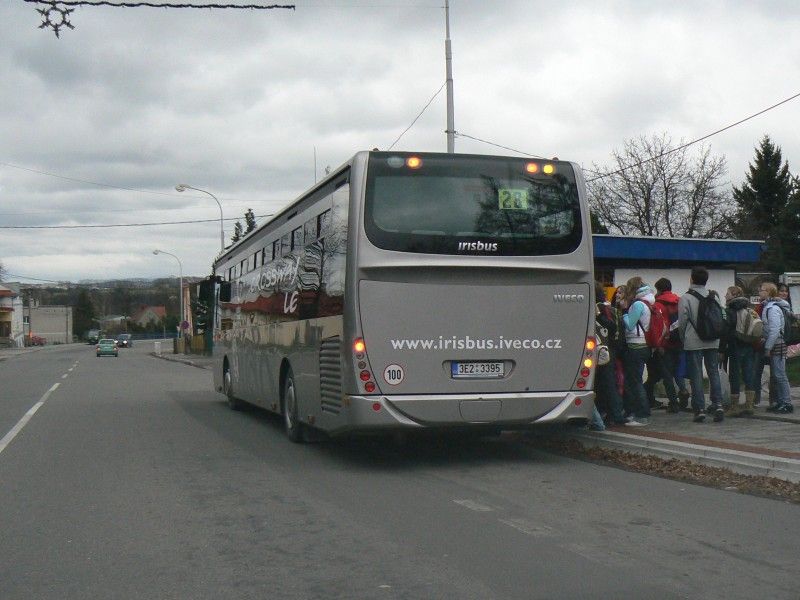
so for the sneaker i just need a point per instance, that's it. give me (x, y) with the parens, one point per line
(636, 423)
(683, 400)
(719, 414)
(772, 408)
(699, 416)
(784, 409)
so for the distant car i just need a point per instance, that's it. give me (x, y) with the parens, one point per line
(93, 336)
(37, 340)
(124, 340)
(107, 347)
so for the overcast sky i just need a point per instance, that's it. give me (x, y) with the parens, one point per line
(236, 101)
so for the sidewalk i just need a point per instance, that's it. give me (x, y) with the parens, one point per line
(764, 444)
(200, 361)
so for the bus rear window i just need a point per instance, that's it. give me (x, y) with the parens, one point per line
(463, 204)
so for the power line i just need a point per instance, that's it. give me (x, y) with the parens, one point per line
(700, 139)
(124, 224)
(652, 158)
(33, 278)
(418, 116)
(464, 135)
(106, 185)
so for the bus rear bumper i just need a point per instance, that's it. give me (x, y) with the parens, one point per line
(444, 410)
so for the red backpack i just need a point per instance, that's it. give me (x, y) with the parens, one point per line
(657, 335)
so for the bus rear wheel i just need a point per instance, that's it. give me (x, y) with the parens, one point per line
(291, 420)
(233, 402)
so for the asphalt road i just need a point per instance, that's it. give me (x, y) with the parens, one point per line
(134, 480)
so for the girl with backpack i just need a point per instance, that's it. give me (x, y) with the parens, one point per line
(607, 396)
(740, 349)
(775, 347)
(637, 321)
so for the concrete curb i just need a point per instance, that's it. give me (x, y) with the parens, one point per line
(745, 463)
(180, 358)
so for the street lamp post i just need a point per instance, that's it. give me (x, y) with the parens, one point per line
(180, 296)
(182, 187)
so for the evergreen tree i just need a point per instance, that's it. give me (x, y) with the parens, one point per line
(84, 314)
(767, 208)
(597, 224)
(237, 232)
(250, 221)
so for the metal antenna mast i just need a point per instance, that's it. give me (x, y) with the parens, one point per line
(448, 56)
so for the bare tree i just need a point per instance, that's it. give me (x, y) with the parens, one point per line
(655, 189)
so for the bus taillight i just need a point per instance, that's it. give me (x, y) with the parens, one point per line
(359, 347)
(588, 363)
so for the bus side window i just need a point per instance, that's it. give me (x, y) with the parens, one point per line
(324, 223)
(225, 291)
(310, 231)
(286, 244)
(297, 238)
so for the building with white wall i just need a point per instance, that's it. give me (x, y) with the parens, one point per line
(618, 258)
(11, 327)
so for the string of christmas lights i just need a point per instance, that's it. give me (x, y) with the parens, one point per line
(55, 15)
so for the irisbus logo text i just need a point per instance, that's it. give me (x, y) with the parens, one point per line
(478, 246)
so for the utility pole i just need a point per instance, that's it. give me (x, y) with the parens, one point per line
(448, 59)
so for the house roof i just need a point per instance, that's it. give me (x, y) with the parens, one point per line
(158, 311)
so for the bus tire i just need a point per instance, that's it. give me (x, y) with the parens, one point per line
(227, 387)
(291, 414)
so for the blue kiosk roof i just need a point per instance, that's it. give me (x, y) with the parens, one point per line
(695, 250)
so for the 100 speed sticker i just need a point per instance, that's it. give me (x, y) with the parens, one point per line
(393, 374)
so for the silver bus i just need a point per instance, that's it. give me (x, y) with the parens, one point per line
(411, 291)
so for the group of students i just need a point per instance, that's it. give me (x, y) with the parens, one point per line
(674, 337)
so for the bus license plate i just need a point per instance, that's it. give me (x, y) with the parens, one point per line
(465, 370)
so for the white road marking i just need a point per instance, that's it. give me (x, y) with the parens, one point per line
(27, 417)
(472, 505)
(65, 375)
(528, 527)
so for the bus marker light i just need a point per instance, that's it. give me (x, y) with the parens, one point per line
(532, 167)
(588, 363)
(585, 372)
(413, 162)
(370, 387)
(376, 406)
(362, 364)
(359, 345)
(591, 343)
(365, 375)
(549, 169)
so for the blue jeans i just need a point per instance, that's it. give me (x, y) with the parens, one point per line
(605, 389)
(777, 366)
(596, 422)
(694, 364)
(633, 362)
(741, 367)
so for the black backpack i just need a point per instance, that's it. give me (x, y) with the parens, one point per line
(711, 323)
(791, 327)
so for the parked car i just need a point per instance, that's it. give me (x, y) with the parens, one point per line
(38, 340)
(107, 347)
(124, 340)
